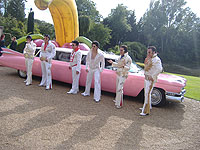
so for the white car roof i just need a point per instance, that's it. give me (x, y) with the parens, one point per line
(69, 50)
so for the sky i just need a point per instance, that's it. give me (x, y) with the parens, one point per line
(104, 7)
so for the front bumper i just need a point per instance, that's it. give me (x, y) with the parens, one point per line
(175, 97)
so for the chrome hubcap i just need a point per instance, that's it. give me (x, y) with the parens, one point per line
(22, 73)
(156, 97)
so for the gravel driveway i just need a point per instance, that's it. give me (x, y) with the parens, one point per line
(32, 118)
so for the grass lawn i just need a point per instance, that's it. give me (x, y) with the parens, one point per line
(192, 86)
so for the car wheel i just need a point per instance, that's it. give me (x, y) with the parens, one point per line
(22, 74)
(158, 97)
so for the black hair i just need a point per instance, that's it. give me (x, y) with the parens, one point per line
(75, 42)
(96, 43)
(125, 48)
(153, 48)
(29, 37)
(47, 35)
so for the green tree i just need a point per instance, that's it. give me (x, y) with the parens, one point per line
(136, 50)
(45, 28)
(84, 25)
(173, 29)
(88, 8)
(16, 9)
(99, 33)
(118, 23)
(12, 27)
(132, 35)
(114, 50)
(30, 25)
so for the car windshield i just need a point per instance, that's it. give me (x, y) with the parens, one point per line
(135, 68)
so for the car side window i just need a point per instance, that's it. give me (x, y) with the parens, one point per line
(63, 56)
(83, 60)
(37, 52)
(108, 65)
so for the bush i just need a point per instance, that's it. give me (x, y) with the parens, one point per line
(136, 50)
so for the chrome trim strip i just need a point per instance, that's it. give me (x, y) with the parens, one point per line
(5, 52)
(176, 94)
(175, 97)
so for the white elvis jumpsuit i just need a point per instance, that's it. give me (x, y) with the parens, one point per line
(47, 51)
(75, 63)
(123, 66)
(152, 68)
(29, 52)
(95, 67)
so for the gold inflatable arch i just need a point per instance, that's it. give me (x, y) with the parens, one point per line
(65, 18)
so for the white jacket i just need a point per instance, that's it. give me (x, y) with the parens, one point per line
(75, 59)
(29, 50)
(125, 61)
(95, 64)
(153, 67)
(50, 51)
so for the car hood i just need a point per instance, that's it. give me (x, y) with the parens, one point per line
(169, 79)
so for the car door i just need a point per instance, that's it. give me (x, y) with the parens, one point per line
(60, 67)
(108, 78)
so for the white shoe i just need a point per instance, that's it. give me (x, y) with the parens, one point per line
(71, 92)
(97, 101)
(41, 85)
(85, 94)
(27, 84)
(114, 101)
(143, 114)
(25, 81)
(118, 107)
(48, 88)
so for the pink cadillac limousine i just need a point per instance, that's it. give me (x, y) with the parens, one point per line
(167, 88)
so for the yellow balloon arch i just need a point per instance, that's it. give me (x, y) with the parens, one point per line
(65, 18)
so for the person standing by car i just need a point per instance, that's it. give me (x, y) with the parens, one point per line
(47, 53)
(75, 66)
(123, 66)
(95, 61)
(152, 68)
(29, 52)
(2, 42)
(13, 44)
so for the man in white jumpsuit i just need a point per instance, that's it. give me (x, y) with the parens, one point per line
(75, 66)
(47, 53)
(123, 66)
(153, 67)
(29, 52)
(96, 63)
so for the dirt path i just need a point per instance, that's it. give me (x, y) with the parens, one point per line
(32, 118)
